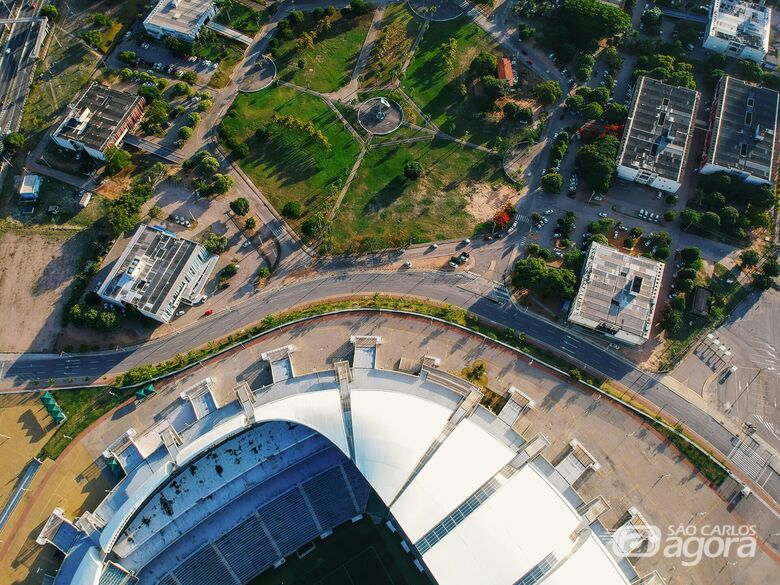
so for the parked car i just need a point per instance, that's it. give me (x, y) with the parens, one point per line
(602, 214)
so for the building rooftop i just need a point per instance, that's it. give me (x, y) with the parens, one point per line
(618, 293)
(658, 128)
(745, 22)
(505, 70)
(179, 15)
(155, 272)
(94, 117)
(745, 128)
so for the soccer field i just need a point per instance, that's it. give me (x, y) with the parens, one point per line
(355, 554)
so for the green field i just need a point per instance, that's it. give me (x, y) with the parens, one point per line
(384, 209)
(438, 93)
(242, 18)
(400, 27)
(355, 554)
(329, 64)
(288, 166)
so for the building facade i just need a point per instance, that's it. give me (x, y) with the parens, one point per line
(742, 135)
(182, 19)
(157, 271)
(739, 29)
(657, 136)
(98, 119)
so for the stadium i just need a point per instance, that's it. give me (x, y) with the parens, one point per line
(223, 491)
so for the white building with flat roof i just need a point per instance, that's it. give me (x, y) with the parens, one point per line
(742, 137)
(657, 135)
(157, 271)
(618, 294)
(739, 29)
(182, 19)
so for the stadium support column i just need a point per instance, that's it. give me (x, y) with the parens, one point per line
(246, 398)
(344, 376)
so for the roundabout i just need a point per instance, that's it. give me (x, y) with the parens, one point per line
(259, 76)
(380, 116)
(437, 10)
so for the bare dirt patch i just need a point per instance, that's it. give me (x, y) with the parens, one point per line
(36, 269)
(487, 199)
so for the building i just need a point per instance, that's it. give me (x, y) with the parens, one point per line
(701, 301)
(657, 135)
(218, 494)
(742, 136)
(157, 271)
(504, 70)
(29, 188)
(182, 19)
(98, 119)
(739, 29)
(618, 294)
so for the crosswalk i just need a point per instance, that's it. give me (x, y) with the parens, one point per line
(746, 455)
(522, 218)
(276, 228)
(500, 293)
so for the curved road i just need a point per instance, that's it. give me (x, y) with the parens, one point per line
(19, 371)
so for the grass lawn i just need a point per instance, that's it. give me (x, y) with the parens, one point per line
(384, 209)
(399, 29)
(82, 407)
(68, 65)
(329, 64)
(436, 90)
(242, 18)
(291, 166)
(355, 554)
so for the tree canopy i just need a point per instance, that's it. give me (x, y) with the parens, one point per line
(547, 92)
(534, 274)
(596, 163)
(240, 206)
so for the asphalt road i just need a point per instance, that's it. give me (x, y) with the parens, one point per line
(18, 372)
(16, 70)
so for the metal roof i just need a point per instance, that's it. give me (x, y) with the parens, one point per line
(659, 126)
(745, 128)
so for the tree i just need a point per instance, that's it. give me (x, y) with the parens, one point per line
(155, 211)
(602, 239)
(670, 215)
(662, 253)
(533, 274)
(673, 321)
(710, 220)
(516, 112)
(494, 88)
(535, 218)
(193, 119)
(312, 226)
(749, 257)
(596, 163)
(685, 285)
(13, 142)
(771, 267)
(102, 19)
(687, 273)
(552, 182)
(116, 160)
(214, 243)
(190, 77)
(729, 217)
(128, 57)
(221, 184)
(121, 218)
(690, 217)
(50, 11)
(615, 113)
(291, 210)
(690, 255)
(185, 133)
(93, 38)
(250, 224)
(413, 170)
(360, 7)
(484, 64)
(296, 17)
(240, 206)
(449, 49)
(547, 92)
(574, 103)
(592, 111)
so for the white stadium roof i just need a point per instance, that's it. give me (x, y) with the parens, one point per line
(454, 479)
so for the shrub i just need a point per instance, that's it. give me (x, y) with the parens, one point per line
(250, 224)
(215, 243)
(291, 210)
(749, 257)
(13, 142)
(413, 170)
(116, 160)
(240, 206)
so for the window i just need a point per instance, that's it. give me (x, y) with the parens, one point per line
(661, 118)
(665, 102)
(750, 102)
(748, 118)
(743, 149)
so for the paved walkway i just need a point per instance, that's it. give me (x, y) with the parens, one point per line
(349, 92)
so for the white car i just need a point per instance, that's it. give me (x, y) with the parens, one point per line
(408, 264)
(549, 212)
(602, 214)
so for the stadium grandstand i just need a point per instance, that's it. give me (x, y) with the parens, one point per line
(220, 493)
